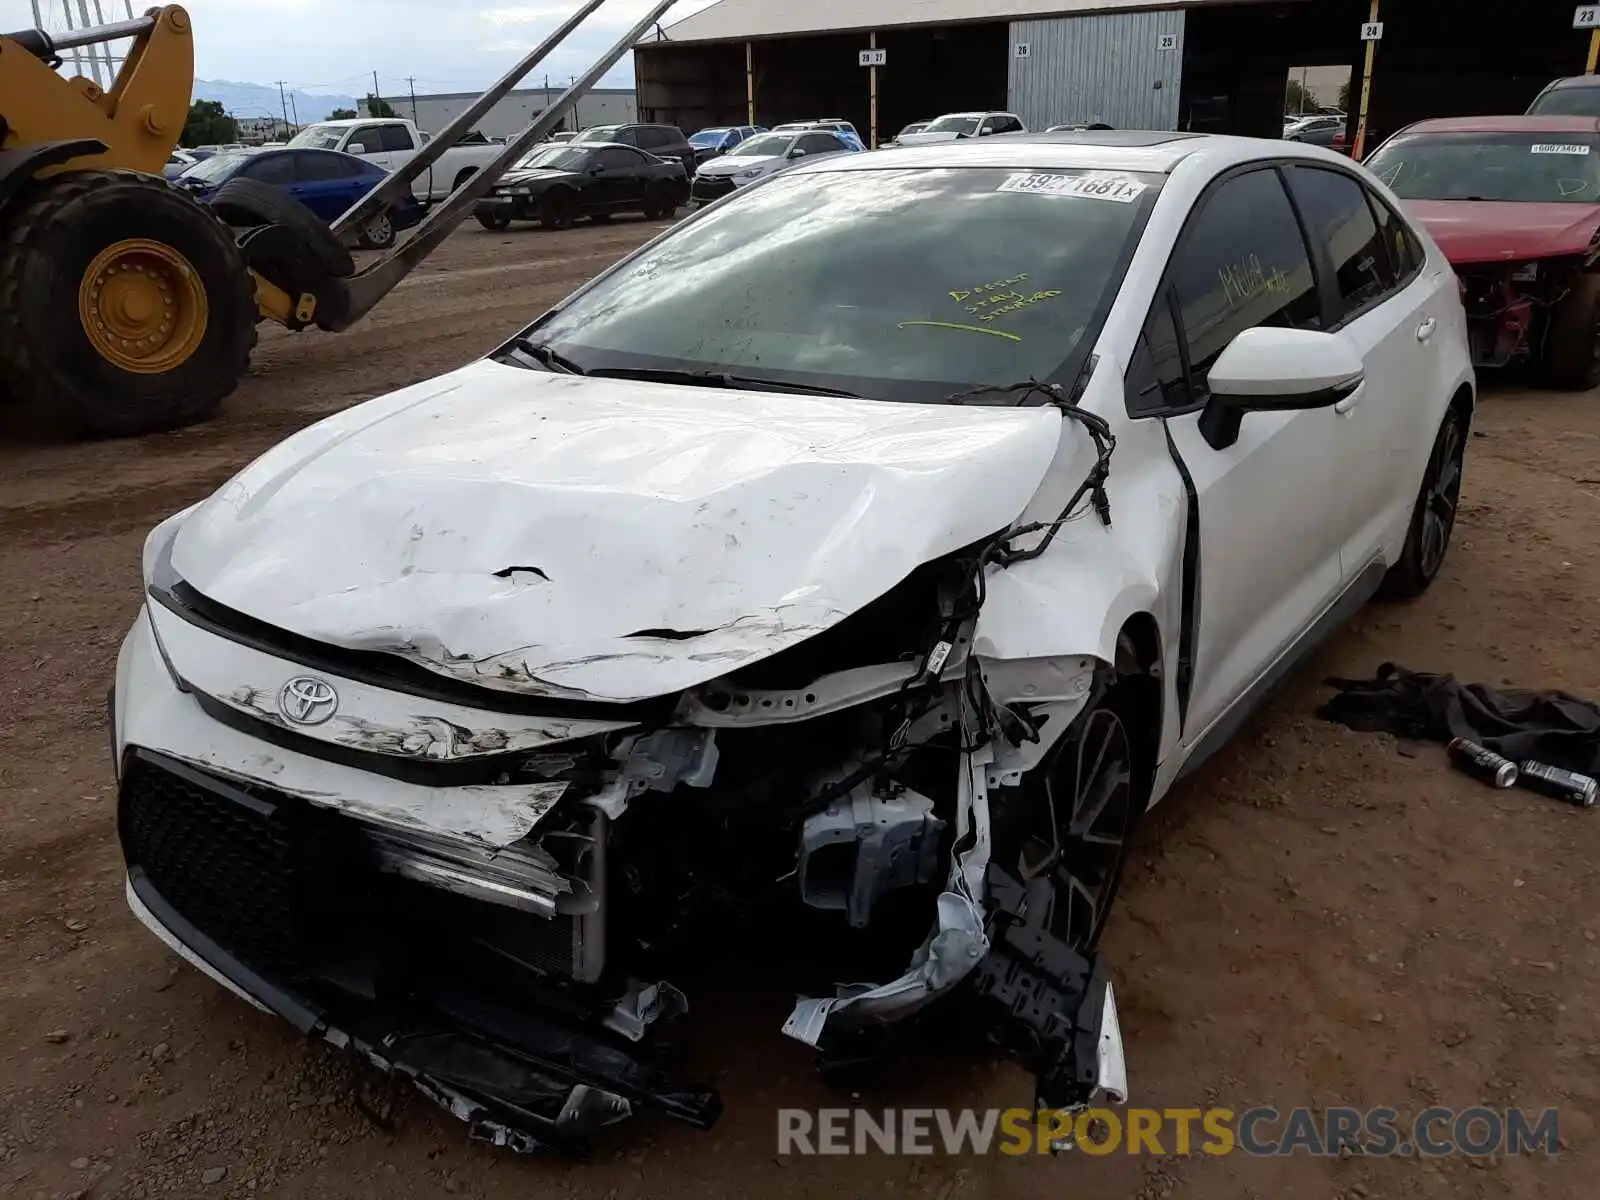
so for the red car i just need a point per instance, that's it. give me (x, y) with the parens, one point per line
(1514, 204)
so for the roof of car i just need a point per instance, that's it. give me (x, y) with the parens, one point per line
(1090, 149)
(1574, 81)
(1550, 123)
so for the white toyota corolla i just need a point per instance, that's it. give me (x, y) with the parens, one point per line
(845, 571)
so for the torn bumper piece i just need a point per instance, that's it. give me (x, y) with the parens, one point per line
(517, 1079)
(227, 877)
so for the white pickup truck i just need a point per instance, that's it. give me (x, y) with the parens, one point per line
(391, 142)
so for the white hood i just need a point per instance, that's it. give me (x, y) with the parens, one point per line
(717, 168)
(925, 138)
(611, 539)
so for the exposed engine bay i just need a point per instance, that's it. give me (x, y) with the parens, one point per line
(874, 793)
(1512, 308)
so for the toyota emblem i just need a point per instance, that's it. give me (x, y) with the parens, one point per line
(306, 700)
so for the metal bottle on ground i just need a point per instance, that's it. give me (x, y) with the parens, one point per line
(1481, 763)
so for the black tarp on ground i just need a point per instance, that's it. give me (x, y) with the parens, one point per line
(1550, 727)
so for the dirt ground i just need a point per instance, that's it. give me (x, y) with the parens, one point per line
(1319, 918)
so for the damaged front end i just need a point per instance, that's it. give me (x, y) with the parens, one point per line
(506, 897)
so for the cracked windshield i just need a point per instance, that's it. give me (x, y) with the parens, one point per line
(888, 284)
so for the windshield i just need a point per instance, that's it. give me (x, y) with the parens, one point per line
(319, 137)
(218, 166)
(966, 125)
(1527, 167)
(1568, 102)
(891, 284)
(708, 137)
(600, 133)
(556, 158)
(765, 145)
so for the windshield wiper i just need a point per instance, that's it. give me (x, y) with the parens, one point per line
(722, 379)
(547, 357)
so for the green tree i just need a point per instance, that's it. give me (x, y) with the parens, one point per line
(377, 106)
(1297, 100)
(1344, 96)
(209, 125)
(343, 114)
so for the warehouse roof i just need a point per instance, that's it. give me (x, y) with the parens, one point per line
(740, 20)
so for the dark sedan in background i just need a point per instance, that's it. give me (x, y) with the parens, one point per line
(325, 181)
(555, 185)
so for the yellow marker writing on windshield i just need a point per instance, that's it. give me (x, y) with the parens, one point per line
(969, 328)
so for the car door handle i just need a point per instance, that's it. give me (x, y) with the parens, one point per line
(1344, 407)
(1425, 330)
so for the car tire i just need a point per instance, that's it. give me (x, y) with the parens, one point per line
(378, 234)
(1569, 360)
(1433, 518)
(653, 200)
(558, 210)
(493, 221)
(1090, 790)
(245, 203)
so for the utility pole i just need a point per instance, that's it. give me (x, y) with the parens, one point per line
(412, 84)
(294, 111)
(283, 100)
(376, 96)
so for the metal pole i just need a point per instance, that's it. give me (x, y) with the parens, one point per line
(372, 284)
(1366, 92)
(376, 200)
(1303, 91)
(1594, 51)
(283, 101)
(94, 59)
(750, 84)
(67, 43)
(872, 44)
(412, 85)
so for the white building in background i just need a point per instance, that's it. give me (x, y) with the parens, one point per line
(601, 106)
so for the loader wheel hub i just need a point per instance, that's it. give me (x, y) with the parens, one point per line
(142, 306)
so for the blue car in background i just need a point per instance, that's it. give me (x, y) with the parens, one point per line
(709, 143)
(325, 181)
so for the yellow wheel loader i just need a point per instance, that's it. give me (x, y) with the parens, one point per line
(126, 307)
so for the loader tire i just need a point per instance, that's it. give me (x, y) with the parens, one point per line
(1570, 359)
(125, 307)
(249, 202)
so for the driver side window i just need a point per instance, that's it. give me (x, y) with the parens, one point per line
(1241, 262)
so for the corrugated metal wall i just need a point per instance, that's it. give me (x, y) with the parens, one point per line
(1124, 69)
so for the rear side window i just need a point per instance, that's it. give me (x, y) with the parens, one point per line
(312, 168)
(275, 168)
(398, 137)
(650, 136)
(1405, 254)
(1568, 101)
(1334, 206)
(1242, 263)
(819, 143)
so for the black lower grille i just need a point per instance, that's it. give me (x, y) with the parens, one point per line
(224, 861)
(711, 189)
(296, 892)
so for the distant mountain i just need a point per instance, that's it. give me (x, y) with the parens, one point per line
(262, 100)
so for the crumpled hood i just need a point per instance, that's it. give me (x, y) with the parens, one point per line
(608, 539)
(1479, 231)
(529, 175)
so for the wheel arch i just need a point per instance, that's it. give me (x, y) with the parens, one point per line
(21, 166)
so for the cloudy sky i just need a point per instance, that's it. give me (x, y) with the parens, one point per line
(335, 45)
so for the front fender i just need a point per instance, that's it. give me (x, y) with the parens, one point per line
(19, 167)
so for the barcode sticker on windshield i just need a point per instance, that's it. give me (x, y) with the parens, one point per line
(1096, 185)
(1549, 148)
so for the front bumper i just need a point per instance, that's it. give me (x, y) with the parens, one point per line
(705, 189)
(518, 208)
(219, 873)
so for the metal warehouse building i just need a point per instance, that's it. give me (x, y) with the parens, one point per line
(1215, 65)
(600, 106)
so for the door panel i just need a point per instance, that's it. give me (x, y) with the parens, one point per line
(1271, 524)
(1386, 320)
